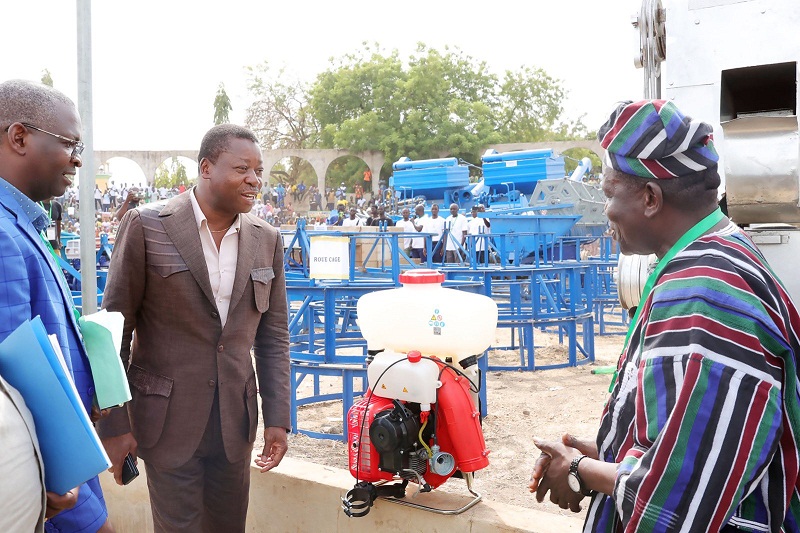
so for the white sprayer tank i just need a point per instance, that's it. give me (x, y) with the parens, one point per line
(407, 377)
(424, 316)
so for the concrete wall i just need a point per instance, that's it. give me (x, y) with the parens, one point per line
(305, 497)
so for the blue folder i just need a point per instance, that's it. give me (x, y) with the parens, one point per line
(71, 450)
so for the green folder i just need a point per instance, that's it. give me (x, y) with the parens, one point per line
(102, 335)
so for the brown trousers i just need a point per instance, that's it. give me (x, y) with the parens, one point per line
(207, 494)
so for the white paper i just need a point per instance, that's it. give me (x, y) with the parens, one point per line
(113, 321)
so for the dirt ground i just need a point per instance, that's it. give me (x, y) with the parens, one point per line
(521, 405)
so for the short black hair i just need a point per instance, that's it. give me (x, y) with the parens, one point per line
(217, 140)
(686, 193)
(30, 102)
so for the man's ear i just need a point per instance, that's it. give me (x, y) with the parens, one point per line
(205, 168)
(17, 138)
(653, 199)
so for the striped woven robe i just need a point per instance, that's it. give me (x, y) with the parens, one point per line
(705, 416)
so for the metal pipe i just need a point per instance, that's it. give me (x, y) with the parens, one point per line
(87, 170)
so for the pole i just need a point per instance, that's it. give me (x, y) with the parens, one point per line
(87, 171)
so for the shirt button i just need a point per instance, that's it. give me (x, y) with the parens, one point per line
(220, 348)
(91, 391)
(211, 383)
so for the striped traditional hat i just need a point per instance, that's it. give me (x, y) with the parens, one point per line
(653, 139)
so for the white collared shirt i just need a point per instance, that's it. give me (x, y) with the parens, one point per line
(221, 263)
(408, 227)
(458, 227)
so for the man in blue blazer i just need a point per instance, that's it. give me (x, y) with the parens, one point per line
(40, 151)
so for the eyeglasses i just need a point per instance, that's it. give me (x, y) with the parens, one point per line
(77, 146)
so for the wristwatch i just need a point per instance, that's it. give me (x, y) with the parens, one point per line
(574, 479)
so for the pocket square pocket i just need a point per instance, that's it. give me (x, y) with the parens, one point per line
(262, 275)
(148, 382)
(262, 286)
(149, 405)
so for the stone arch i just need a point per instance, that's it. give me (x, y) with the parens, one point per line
(269, 165)
(321, 159)
(189, 164)
(148, 160)
(343, 156)
(119, 170)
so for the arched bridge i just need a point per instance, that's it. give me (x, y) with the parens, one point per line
(319, 159)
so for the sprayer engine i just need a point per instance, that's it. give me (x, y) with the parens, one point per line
(417, 423)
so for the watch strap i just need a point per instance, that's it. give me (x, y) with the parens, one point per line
(573, 470)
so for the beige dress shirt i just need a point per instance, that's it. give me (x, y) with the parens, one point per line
(221, 263)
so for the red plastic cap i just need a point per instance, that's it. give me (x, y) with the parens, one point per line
(414, 356)
(421, 275)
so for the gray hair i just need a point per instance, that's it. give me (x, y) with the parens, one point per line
(33, 103)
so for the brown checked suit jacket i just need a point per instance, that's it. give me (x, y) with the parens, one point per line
(180, 353)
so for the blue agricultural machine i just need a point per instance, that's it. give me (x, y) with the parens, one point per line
(525, 193)
(539, 221)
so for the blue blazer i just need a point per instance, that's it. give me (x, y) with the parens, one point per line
(31, 284)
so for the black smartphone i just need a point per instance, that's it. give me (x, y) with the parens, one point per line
(129, 470)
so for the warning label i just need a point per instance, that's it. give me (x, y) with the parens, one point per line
(436, 321)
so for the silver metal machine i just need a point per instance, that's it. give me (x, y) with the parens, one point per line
(734, 64)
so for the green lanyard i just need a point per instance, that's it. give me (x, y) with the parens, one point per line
(696, 231)
(58, 268)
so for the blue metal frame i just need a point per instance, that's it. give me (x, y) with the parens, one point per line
(557, 295)
(550, 293)
(331, 308)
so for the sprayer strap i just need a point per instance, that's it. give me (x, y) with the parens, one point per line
(358, 500)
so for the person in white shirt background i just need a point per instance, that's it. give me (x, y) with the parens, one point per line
(418, 243)
(351, 220)
(434, 224)
(479, 226)
(408, 227)
(456, 224)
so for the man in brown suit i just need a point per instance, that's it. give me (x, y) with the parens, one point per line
(200, 281)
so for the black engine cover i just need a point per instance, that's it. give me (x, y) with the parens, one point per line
(394, 434)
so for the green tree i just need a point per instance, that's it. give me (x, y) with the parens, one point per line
(222, 105)
(530, 104)
(172, 175)
(441, 103)
(47, 79)
(279, 114)
(573, 156)
(347, 169)
(281, 118)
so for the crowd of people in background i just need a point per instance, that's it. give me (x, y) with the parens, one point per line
(283, 204)
(275, 204)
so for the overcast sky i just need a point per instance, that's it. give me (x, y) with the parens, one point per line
(157, 64)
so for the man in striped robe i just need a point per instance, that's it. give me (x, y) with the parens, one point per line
(701, 430)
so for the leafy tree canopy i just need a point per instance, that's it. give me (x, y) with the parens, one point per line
(441, 103)
(172, 174)
(222, 106)
(280, 116)
(434, 104)
(573, 156)
(47, 79)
